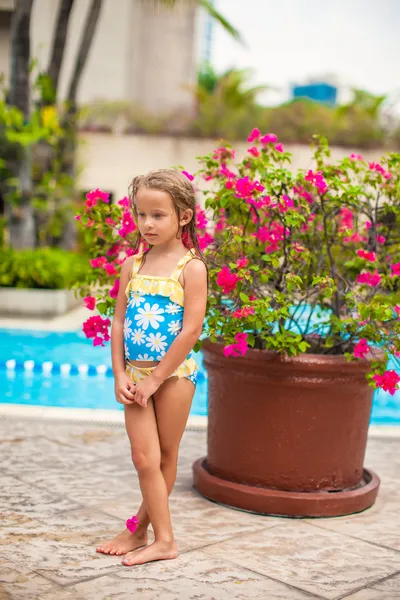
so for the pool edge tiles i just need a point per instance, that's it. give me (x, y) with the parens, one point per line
(116, 417)
(84, 415)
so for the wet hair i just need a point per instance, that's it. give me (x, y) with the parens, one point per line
(183, 197)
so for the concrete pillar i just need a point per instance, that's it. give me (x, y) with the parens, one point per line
(163, 59)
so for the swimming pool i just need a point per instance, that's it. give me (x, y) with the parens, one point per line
(63, 369)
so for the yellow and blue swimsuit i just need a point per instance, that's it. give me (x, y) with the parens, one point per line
(153, 319)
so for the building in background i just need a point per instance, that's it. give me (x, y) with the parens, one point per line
(319, 91)
(139, 53)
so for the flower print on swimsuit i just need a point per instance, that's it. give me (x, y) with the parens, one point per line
(145, 357)
(149, 315)
(138, 337)
(173, 309)
(156, 342)
(126, 351)
(127, 328)
(136, 298)
(174, 327)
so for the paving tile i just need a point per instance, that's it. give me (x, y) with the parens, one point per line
(61, 548)
(17, 584)
(192, 576)
(21, 498)
(321, 562)
(74, 526)
(64, 594)
(380, 524)
(389, 589)
(41, 453)
(83, 486)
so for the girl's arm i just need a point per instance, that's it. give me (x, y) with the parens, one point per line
(195, 300)
(122, 383)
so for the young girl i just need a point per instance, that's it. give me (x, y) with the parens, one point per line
(158, 318)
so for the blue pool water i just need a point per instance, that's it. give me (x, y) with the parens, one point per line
(64, 369)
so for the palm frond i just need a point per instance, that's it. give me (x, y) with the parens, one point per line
(217, 16)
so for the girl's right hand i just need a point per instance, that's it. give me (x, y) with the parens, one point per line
(124, 389)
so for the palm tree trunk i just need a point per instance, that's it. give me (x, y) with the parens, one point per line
(59, 39)
(21, 222)
(68, 148)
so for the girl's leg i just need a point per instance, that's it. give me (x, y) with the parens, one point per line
(172, 403)
(142, 431)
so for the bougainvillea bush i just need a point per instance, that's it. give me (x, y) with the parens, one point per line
(299, 262)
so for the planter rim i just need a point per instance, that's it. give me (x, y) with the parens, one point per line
(322, 360)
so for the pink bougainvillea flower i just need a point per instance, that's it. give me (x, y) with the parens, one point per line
(97, 328)
(317, 179)
(298, 247)
(113, 292)
(128, 225)
(379, 169)
(269, 138)
(77, 217)
(238, 349)
(225, 172)
(131, 524)
(361, 349)
(303, 193)
(395, 268)
(287, 203)
(388, 381)
(355, 238)
(371, 279)
(227, 280)
(205, 240)
(356, 157)
(110, 269)
(94, 195)
(124, 202)
(397, 309)
(114, 250)
(188, 175)
(90, 302)
(201, 219)
(243, 312)
(346, 218)
(224, 153)
(254, 135)
(229, 185)
(242, 262)
(370, 256)
(110, 222)
(254, 151)
(98, 263)
(380, 238)
(279, 147)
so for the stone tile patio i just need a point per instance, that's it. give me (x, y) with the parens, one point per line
(67, 486)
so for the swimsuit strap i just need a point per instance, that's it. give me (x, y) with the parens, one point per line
(137, 261)
(181, 264)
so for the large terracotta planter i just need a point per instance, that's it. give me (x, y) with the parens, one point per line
(286, 436)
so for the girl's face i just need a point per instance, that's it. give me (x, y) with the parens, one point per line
(156, 215)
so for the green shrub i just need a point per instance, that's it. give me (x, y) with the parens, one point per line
(43, 268)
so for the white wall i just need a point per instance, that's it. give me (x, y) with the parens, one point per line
(110, 161)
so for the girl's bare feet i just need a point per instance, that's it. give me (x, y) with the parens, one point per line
(158, 550)
(124, 542)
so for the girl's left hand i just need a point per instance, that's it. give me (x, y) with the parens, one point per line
(144, 389)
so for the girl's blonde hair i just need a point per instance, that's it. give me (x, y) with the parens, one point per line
(183, 197)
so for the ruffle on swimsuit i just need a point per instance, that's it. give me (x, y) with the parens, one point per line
(153, 285)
